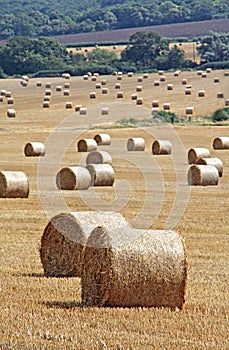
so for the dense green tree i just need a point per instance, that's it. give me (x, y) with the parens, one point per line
(214, 47)
(101, 56)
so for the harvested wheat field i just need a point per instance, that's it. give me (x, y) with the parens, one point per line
(150, 191)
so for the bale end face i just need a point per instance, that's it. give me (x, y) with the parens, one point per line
(13, 184)
(86, 145)
(101, 174)
(34, 149)
(221, 142)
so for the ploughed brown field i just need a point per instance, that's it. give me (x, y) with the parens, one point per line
(150, 191)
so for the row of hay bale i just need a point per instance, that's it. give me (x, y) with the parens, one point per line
(118, 265)
(204, 169)
(7, 95)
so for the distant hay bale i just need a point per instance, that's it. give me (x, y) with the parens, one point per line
(119, 77)
(184, 81)
(226, 74)
(96, 75)
(201, 93)
(102, 139)
(78, 108)
(1, 98)
(64, 237)
(86, 145)
(162, 78)
(170, 87)
(105, 111)
(216, 80)
(66, 85)
(130, 74)
(161, 147)
(220, 95)
(8, 94)
(120, 94)
(48, 85)
(99, 157)
(73, 178)
(46, 104)
(3, 92)
(221, 142)
(25, 77)
(13, 184)
(83, 111)
(47, 98)
(104, 82)
(195, 153)
(199, 72)
(208, 70)
(101, 174)
(34, 149)
(167, 106)
(139, 88)
(105, 91)
(189, 110)
(98, 86)
(140, 101)
(58, 88)
(10, 101)
(11, 113)
(156, 83)
(155, 103)
(66, 92)
(148, 270)
(114, 73)
(93, 78)
(68, 105)
(176, 73)
(212, 161)
(161, 72)
(119, 73)
(145, 76)
(136, 144)
(92, 94)
(154, 110)
(204, 75)
(227, 102)
(188, 91)
(23, 82)
(134, 97)
(140, 79)
(85, 77)
(117, 86)
(48, 92)
(39, 83)
(203, 175)
(66, 75)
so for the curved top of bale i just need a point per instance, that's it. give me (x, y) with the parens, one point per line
(14, 184)
(34, 149)
(102, 139)
(195, 153)
(221, 142)
(99, 157)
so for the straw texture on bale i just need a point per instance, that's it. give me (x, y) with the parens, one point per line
(99, 157)
(13, 184)
(148, 270)
(86, 145)
(64, 237)
(34, 149)
(102, 139)
(73, 178)
(195, 153)
(161, 147)
(11, 113)
(221, 142)
(136, 144)
(203, 175)
(212, 161)
(101, 174)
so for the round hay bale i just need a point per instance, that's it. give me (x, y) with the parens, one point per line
(66, 85)
(120, 94)
(13, 184)
(66, 92)
(139, 88)
(105, 111)
(221, 142)
(140, 79)
(83, 111)
(156, 83)
(134, 97)
(46, 104)
(93, 78)
(39, 84)
(204, 75)
(189, 110)
(227, 102)
(96, 75)
(86, 145)
(226, 74)
(48, 85)
(155, 103)
(58, 88)
(199, 72)
(85, 77)
(68, 105)
(10, 101)
(162, 78)
(136, 144)
(208, 70)
(34, 149)
(99, 157)
(47, 98)
(167, 106)
(149, 270)
(188, 91)
(98, 86)
(170, 87)
(117, 86)
(216, 80)
(78, 108)
(212, 161)
(201, 93)
(105, 91)
(119, 77)
(145, 76)
(161, 72)
(24, 83)
(102, 139)
(92, 94)
(73, 178)
(8, 94)
(161, 147)
(1, 98)
(177, 73)
(11, 113)
(3, 92)
(48, 92)
(104, 82)
(140, 101)
(203, 175)
(130, 74)
(195, 153)
(101, 174)
(184, 81)
(64, 238)
(220, 95)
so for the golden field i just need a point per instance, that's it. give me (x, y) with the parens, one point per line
(150, 191)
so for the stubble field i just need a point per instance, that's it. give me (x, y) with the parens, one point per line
(150, 191)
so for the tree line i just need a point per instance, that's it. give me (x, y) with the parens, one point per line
(58, 17)
(146, 51)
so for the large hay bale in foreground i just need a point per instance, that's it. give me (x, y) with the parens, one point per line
(13, 184)
(148, 270)
(73, 178)
(34, 149)
(195, 153)
(99, 157)
(101, 174)
(102, 139)
(203, 175)
(161, 147)
(136, 144)
(221, 142)
(86, 145)
(212, 161)
(64, 237)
